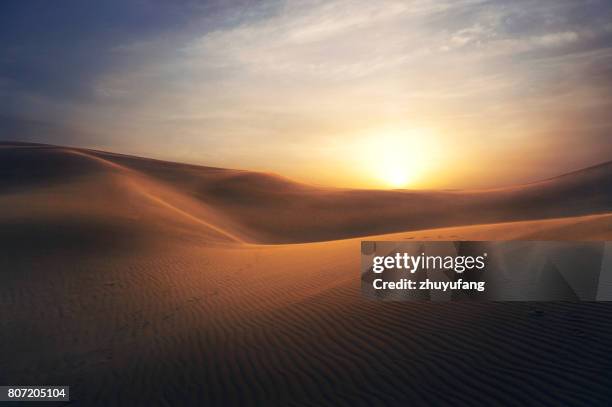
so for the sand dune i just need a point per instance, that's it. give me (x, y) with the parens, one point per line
(267, 204)
(262, 208)
(140, 282)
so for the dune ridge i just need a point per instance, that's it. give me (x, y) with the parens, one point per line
(266, 205)
(261, 208)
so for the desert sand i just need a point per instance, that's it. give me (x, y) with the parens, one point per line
(142, 282)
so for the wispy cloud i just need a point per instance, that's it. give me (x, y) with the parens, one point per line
(265, 85)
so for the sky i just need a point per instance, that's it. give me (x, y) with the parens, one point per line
(385, 94)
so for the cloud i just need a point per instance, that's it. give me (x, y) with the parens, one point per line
(231, 80)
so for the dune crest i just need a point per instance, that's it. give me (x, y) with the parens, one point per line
(241, 206)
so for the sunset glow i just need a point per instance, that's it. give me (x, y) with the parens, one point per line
(330, 93)
(395, 158)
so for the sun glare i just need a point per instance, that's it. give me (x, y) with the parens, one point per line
(397, 158)
(395, 175)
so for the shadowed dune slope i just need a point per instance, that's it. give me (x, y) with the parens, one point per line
(73, 198)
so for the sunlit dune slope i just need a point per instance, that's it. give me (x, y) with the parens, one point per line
(243, 206)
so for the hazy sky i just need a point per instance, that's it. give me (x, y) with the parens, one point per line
(350, 93)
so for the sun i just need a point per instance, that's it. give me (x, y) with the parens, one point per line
(397, 166)
(396, 158)
(395, 175)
